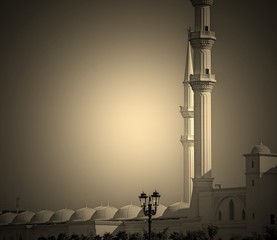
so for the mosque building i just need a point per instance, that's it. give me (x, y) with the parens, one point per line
(235, 211)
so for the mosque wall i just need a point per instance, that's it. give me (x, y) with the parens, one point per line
(86, 228)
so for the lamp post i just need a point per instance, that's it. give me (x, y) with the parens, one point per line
(150, 207)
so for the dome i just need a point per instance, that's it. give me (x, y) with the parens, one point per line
(62, 215)
(23, 218)
(104, 213)
(42, 216)
(174, 209)
(160, 210)
(260, 148)
(7, 218)
(83, 214)
(127, 212)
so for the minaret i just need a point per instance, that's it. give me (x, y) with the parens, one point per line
(187, 139)
(202, 82)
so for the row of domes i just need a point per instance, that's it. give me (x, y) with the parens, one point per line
(86, 214)
(101, 212)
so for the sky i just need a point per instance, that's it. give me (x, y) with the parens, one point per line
(90, 96)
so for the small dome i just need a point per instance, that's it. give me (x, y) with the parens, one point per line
(7, 218)
(83, 214)
(42, 216)
(174, 209)
(160, 210)
(62, 215)
(23, 218)
(260, 148)
(104, 213)
(127, 212)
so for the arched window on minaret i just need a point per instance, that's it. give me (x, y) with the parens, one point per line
(243, 214)
(231, 210)
(219, 216)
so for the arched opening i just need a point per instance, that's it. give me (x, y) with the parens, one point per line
(231, 210)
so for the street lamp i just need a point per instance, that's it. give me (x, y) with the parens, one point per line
(150, 207)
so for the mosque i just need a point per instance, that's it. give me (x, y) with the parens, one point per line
(235, 211)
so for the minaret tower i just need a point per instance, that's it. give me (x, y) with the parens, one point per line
(202, 82)
(187, 139)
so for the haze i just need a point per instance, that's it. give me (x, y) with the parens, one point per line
(90, 96)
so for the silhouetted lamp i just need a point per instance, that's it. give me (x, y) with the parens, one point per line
(150, 207)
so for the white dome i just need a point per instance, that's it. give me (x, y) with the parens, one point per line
(260, 148)
(42, 216)
(62, 215)
(160, 210)
(104, 213)
(127, 212)
(173, 210)
(23, 218)
(7, 218)
(83, 214)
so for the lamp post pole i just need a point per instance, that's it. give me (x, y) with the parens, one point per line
(150, 207)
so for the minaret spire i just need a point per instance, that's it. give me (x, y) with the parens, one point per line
(189, 64)
(187, 139)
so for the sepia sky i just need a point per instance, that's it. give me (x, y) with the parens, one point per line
(90, 94)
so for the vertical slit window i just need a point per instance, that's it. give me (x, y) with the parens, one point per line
(272, 219)
(243, 215)
(231, 210)
(219, 215)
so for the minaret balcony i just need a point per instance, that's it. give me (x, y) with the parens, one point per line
(202, 78)
(187, 139)
(202, 34)
(202, 2)
(187, 112)
(202, 81)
